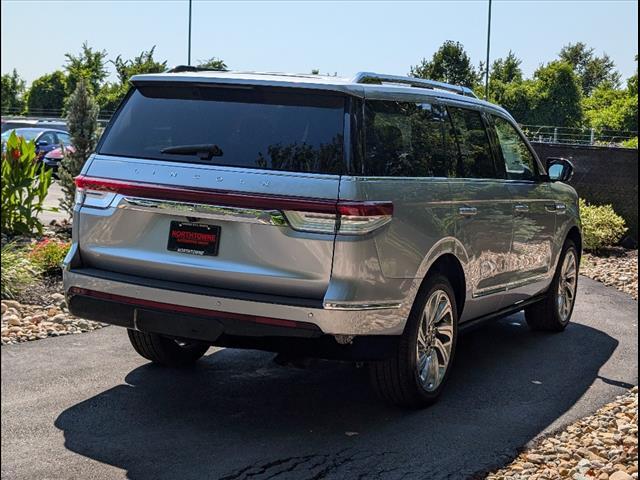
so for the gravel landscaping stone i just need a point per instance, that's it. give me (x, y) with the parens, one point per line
(603, 446)
(615, 268)
(23, 322)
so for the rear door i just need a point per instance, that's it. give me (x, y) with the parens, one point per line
(191, 184)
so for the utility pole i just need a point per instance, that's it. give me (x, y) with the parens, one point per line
(189, 54)
(486, 74)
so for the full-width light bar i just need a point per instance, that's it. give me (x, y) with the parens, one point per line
(304, 214)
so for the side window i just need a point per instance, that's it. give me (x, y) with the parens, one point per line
(518, 160)
(64, 139)
(408, 140)
(48, 137)
(475, 149)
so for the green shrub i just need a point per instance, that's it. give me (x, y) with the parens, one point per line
(47, 255)
(631, 143)
(17, 271)
(601, 226)
(25, 183)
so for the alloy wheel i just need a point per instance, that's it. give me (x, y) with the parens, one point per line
(435, 340)
(567, 285)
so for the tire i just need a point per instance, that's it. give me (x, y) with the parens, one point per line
(166, 351)
(553, 314)
(397, 380)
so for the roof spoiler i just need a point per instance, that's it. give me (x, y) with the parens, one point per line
(380, 78)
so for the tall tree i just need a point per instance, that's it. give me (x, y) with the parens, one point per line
(143, 63)
(449, 64)
(47, 94)
(111, 94)
(12, 93)
(612, 109)
(632, 81)
(591, 69)
(558, 99)
(213, 63)
(82, 120)
(90, 65)
(506, 69)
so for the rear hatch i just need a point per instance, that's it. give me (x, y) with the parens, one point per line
(219, 186)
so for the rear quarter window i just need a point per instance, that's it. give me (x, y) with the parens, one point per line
(274, 129)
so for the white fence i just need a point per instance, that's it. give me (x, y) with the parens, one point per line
(576, 136)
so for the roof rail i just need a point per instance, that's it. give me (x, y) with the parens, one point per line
(191, 68)
(379, 78)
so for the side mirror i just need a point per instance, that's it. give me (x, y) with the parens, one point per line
(559, 169)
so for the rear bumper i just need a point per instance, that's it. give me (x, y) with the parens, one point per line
(122, 301)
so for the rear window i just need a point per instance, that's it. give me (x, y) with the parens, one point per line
(251, 127)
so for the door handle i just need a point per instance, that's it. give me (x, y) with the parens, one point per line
(467, 211)
(521, 208)
(556, 208)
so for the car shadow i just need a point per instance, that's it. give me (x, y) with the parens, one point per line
(238, 415)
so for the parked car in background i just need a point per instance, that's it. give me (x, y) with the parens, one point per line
(46, 139)
(9, 123)
(370, 218)
(54, 157)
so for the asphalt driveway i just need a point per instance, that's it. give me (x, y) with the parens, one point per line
(85, 406)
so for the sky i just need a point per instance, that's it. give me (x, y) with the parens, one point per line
(298, 36)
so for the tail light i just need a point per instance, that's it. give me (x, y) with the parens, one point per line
(90, 195)
(348, 218)
(303, 214)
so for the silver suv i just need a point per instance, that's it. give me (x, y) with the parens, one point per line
(369, 219)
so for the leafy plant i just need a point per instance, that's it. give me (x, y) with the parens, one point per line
(17, 271)
(631, 143)
(47, 255)
(601, 226)
(25, 183)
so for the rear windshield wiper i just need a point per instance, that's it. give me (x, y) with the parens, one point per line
(204, 151)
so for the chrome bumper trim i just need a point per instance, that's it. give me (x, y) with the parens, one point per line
(362, 306)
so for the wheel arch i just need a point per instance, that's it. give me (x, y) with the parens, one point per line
(575, 236)
(449, 265)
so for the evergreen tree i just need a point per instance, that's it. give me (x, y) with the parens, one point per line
(82, 120)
